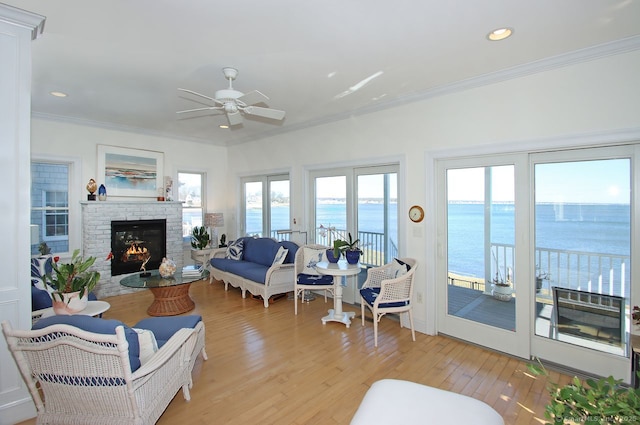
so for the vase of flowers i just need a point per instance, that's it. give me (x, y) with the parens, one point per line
(71, 283)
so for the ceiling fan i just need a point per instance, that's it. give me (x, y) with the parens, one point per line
(235, 103)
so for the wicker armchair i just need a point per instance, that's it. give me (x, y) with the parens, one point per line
(76, 376)
(306, 281)
(383, 294)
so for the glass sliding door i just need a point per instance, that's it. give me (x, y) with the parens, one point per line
(481, 269)
(583, 256)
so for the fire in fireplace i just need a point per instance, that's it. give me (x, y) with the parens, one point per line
(134, 243)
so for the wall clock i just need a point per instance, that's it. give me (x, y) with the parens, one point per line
(416, 213)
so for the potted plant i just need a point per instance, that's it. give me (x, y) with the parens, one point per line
(501, 289)
(352, 251)
(72, 283)
(601, 401)
(199, 237)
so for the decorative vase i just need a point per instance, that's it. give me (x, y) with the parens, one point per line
(330, 257)
(102, 193)
(71, 303)
(502, 292)
(352, 257)
(167, 268)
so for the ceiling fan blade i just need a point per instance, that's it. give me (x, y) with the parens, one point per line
(274, 114)
(252, 98)
(234, 118)
(199, 109)
(199, 94)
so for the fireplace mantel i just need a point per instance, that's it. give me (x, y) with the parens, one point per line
(96, 234)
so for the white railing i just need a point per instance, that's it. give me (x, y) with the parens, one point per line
(603, 273)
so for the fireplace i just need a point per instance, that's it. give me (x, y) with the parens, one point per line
(135, 243)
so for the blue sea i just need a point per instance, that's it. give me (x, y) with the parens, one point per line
(593, 228)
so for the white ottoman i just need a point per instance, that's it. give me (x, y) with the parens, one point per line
(391, 401)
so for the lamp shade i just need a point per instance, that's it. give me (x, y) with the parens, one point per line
(214, 219)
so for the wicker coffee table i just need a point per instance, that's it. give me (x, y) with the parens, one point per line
(171, 294)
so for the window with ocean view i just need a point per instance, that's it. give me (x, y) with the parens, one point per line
(583, 239)
(266, 207)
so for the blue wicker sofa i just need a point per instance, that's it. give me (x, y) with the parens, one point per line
(257, 265)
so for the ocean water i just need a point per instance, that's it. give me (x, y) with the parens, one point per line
(593, 228)
(589, 228)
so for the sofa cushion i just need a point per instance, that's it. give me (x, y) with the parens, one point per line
(260, 251)
(222, 264)
(293, 248)
(235, 250)
(40, 299)
(163, 328)
(99, 326)
(252, 271)
(40, 266)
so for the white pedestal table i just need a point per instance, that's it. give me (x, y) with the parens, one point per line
(338, 270)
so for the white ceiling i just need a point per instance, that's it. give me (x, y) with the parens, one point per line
(121, 61)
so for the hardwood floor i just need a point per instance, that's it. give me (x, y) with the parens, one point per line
(269, 366)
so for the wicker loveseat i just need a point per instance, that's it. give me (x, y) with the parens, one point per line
(257, 265)
(85, 370)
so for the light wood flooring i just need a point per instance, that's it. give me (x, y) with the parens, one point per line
(269, 366)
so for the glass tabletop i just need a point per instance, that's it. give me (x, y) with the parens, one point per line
(154, 280)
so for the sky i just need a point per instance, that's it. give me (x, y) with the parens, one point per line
(602, 181)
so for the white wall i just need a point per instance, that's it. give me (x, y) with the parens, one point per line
(58, 138)
(591, 101)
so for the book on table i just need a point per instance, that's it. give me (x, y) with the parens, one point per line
(192, 270)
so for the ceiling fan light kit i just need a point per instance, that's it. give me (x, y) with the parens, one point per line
(234, 103)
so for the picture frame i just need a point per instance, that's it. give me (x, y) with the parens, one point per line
(130, 172)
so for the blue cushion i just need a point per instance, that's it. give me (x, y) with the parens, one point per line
(260, 251)
(164, 328)
(39, 299)
(370, 295)
(251, 271)
(315, 279)
(293, 248)
(99, 326)
(222, 263)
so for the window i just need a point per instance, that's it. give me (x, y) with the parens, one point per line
(266, 205)
(50, 204)
(191, 194)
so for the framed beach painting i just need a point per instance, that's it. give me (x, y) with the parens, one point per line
(130, 172)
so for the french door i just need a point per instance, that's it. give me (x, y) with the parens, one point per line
(266, 207)
(361, 201)
(536, 254)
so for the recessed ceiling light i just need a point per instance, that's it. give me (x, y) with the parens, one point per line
(58, 94)
(223, 126)
(500, 34)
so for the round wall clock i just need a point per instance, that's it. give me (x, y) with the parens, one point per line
(416, 213)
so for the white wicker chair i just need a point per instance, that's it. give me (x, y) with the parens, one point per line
(324, 282)
(80, 377)
(383, 295)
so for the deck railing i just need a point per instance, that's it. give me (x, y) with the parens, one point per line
(377, 249)
(603, 273)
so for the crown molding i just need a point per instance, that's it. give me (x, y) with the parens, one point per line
(23, 18)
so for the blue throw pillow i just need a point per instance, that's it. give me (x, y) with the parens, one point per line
(99, 326)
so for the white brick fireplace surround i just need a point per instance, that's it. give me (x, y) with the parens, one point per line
(96, 235)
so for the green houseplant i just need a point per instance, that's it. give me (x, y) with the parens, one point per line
(593, 401)
(349, 248)
(72, 282)
(199, 237)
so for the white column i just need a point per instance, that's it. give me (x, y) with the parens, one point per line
(17, 29)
